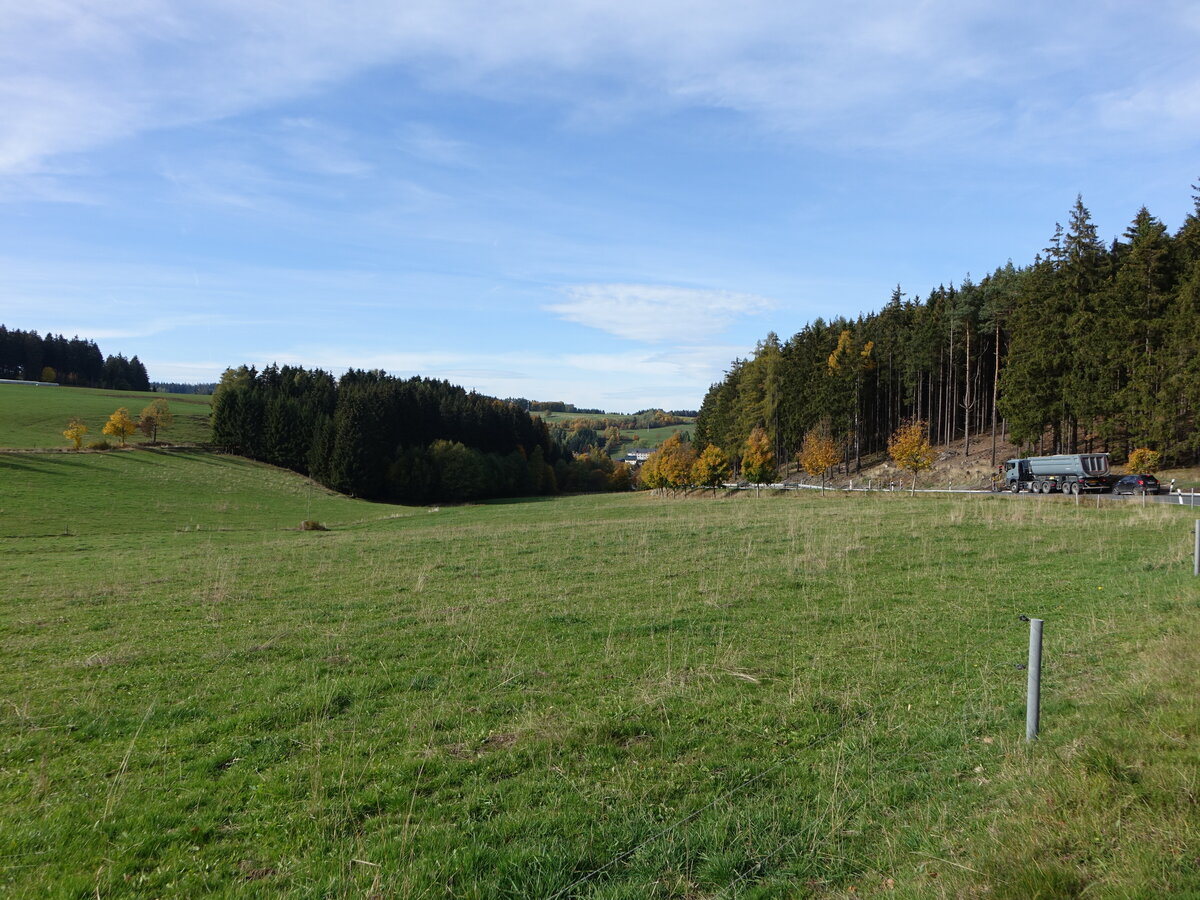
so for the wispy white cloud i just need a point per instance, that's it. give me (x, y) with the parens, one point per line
(428, 143)
(1169, 109)
(232, 183)
(158, 325)
(657, 313)
(75, 75)
(316, 147)
(169, 369)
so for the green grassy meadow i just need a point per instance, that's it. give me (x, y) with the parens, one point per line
(34, 417)
(611, 696)
(654, 437)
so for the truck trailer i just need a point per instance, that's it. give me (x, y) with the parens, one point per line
(1070, 473)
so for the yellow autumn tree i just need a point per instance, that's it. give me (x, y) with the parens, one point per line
(909, 448)
(649, 476)
(75, 432)
(675, 461)
(119, 425)
(711, 467)
(1143, 459)
(758, 459)
(818, 454)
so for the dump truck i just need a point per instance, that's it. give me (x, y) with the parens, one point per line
(1068, 473)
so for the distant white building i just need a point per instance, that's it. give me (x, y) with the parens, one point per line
(637, 455)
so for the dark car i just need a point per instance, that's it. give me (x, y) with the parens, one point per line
(1136, 484)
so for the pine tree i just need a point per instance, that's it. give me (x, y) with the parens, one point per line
(1142, 297)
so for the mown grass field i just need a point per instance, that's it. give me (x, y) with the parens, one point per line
(34, 417)
(602, 697)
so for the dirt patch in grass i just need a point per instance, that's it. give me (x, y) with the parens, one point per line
(252, 871)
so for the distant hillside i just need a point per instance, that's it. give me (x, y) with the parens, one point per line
(173, 387)
(616, 434)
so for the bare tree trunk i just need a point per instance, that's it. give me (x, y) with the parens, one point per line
(951, 392)
(940, 402)
(857, 429)
(967, 401)
(920, 393)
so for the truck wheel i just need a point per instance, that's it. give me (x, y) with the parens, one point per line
(1016, 487)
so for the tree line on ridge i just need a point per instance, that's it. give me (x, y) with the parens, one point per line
(1089, 347)
(27, 356)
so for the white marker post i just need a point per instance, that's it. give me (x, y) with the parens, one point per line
(1033, 691)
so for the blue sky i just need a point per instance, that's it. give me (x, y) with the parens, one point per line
(599, 202)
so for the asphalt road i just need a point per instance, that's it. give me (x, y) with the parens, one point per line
(1175, 499)
(1179, 499)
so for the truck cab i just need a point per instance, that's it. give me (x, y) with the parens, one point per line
(1016, 471)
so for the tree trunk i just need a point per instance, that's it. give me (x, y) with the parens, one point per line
(857, 429)
(951, 390)
(967, 402)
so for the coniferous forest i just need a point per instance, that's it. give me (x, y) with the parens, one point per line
(1089, 347)
(413, 440)
(27, 356)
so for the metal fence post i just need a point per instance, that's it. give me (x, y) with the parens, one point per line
(1033, 691)
(1196, 562)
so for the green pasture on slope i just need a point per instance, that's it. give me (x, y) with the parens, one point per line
(148, 491)
(646, 437)
(654, 437)
(35, 416)
(611, 696)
